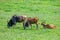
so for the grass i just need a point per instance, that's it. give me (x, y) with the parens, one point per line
(45, 10)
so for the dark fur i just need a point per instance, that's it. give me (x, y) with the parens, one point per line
(14, 20)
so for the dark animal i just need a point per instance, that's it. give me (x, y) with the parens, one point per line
(51, 26)
(15, 19)
(12, 21)
(30, 21)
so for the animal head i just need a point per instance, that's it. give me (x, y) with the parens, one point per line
(43, 23)
(12, 21)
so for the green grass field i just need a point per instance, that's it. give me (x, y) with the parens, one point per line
(45, 10)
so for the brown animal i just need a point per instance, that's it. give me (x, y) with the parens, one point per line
(31, 21)
(51, 26)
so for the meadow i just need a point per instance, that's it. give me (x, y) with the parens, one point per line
(45, 10)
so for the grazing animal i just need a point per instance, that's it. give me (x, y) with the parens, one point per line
(12, 21)
(51, 26)
(30, 21)
(15, 19)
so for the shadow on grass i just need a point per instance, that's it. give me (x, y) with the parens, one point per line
(19, 28)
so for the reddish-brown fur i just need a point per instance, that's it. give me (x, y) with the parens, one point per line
(51, 26)
(31, 21)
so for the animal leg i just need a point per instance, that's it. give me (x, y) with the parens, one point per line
(24, 26)
(36, 26)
